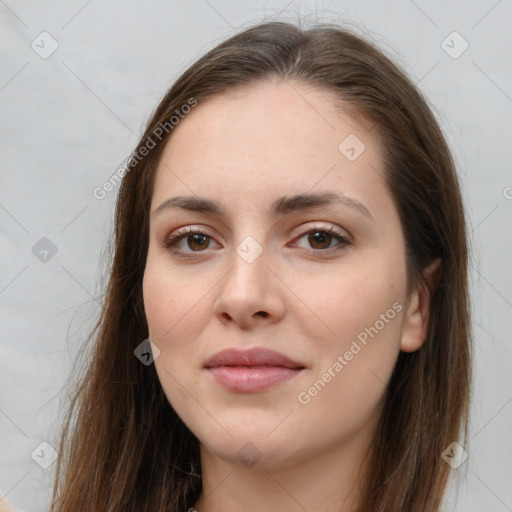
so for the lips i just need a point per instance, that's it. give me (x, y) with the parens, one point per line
(253, 370)
(252, 357)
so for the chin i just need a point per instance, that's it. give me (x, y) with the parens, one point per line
(252, 453)
(253, 441)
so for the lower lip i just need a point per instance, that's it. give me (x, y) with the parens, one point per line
(247, 379)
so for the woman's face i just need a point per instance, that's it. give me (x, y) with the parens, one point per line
(320, 282)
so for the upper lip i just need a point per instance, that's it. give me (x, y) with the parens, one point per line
(251, 357)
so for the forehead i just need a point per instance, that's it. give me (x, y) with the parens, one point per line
(273, 139)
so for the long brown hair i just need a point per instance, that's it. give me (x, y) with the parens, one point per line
(123, 447)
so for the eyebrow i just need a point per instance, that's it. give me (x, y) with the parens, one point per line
(282, 206)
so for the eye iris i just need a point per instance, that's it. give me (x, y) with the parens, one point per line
(199, 240)
(319, 237)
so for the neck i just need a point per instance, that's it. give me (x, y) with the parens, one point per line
(328, 482)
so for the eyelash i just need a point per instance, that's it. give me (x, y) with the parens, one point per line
(180, 234)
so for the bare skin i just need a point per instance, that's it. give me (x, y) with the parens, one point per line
(308, 297)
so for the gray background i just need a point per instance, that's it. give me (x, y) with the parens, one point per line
(69, 120)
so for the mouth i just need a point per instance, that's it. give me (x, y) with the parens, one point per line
(253, 370)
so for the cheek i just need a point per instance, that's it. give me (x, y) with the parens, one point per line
(346, 300)
(177, 311)
(364, 308)
(172, 303)
(173, 310)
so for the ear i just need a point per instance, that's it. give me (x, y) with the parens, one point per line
(417, 316)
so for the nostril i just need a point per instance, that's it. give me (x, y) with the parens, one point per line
(262, 313)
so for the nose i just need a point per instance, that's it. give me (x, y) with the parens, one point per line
(250, 294)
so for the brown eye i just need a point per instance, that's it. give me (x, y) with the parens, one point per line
(322, 240)
(189, 241)
(319, 239)
(198, 241)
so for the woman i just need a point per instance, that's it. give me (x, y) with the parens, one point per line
(286, 321)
